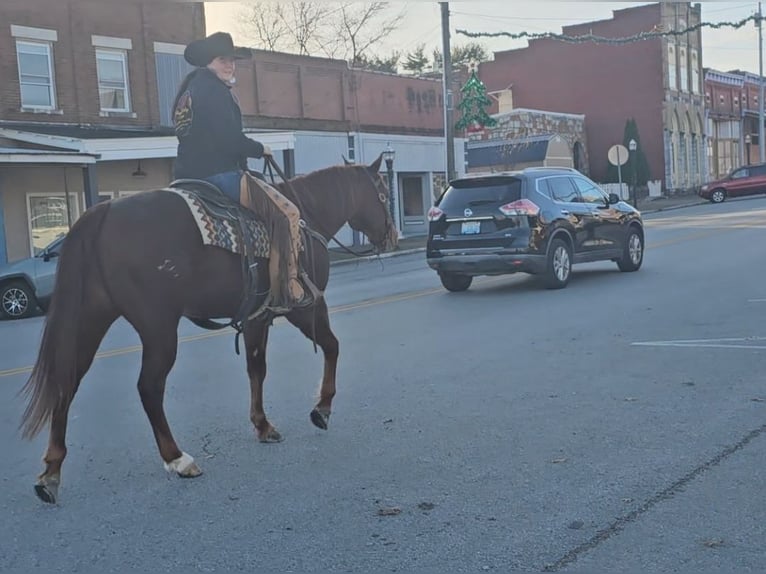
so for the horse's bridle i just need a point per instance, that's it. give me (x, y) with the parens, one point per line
(270, 165)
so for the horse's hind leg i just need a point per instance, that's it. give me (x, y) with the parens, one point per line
(159, 336)
(314, 322)
(256, 337)
(94, 325)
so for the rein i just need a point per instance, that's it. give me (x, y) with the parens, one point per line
(269, 163)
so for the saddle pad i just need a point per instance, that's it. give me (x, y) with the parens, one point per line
(224, 231)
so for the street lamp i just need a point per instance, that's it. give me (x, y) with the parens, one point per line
(388, 155)
(633, 146)
(748, 141)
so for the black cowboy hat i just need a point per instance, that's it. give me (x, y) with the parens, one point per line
(218, 45)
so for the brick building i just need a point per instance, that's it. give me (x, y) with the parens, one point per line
(731, 108)
(657, 82)
(85, 94)
(81, 89)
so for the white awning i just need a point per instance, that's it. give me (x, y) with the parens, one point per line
(18, 155)
(129, 147)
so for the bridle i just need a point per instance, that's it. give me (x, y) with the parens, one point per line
(271, 166)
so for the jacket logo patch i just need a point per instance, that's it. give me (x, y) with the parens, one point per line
(183, 115)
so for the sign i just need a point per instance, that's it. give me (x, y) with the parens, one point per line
(618, 155)
(471, 227)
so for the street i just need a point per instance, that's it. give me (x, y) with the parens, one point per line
(617, 424)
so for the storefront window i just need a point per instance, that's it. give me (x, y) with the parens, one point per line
(50, 217)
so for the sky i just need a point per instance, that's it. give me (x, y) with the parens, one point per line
(724, 49)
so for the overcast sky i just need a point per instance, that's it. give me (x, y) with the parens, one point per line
(723, 49)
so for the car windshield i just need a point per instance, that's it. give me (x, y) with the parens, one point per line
(480, 191)
(52, 246)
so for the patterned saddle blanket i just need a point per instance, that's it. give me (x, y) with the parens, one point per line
(221, 222)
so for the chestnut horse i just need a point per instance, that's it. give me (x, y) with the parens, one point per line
(142, 258)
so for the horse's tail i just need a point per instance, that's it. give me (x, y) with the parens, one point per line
(53, 380)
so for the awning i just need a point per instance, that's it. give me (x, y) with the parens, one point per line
(19, 155)
(111, 144)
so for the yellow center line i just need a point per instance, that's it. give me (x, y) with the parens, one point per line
(341, 308)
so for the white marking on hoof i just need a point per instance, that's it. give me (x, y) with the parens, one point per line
(181, 464)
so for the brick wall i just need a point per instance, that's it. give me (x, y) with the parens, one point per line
(606, 83)
(74, 55)
(286, 91)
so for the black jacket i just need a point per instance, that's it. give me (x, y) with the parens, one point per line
(208, 124)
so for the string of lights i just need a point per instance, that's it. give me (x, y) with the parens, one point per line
(657, 32)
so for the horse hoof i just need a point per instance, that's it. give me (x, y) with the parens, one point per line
(47, 490)
(192, 471)
(320, 420)
(272, 436)
(184, 466)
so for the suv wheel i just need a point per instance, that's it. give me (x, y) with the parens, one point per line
(559, 265)
(718, 196)
(454, 282)
(632, 252)
(16, 300)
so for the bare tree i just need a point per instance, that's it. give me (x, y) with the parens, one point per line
(362, 25)
(288, 26)
(264, 24)
(348, 30)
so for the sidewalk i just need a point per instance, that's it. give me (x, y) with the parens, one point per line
(417, 243)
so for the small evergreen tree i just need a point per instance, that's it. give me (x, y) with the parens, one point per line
(472, 105)
(636, 170)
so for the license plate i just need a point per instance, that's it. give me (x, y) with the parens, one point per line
(471, 227)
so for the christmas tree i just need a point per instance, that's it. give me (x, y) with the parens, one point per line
(472, 105)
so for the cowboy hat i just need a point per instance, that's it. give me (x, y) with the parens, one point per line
(200, 53)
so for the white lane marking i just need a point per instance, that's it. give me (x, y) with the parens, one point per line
(721, 343)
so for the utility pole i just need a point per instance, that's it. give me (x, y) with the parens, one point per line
(449, 127)
(761, 143)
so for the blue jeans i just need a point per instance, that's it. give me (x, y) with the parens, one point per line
(228, 182)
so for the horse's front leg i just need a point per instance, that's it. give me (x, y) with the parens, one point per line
(256, 337)
(314, 322)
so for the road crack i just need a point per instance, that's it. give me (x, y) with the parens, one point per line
(620, 523)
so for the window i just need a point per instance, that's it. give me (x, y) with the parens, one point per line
(112, 68)
(49, 218)
(588, 191)
(695, 72)
(562, 190)
(683, 70)
(171, 70)
(412, 196)
(351, 148)
(672, 78)
(740, 173)
(36, 74)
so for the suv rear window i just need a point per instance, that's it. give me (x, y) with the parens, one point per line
(479, 191)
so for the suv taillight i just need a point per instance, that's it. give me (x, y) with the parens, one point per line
(434, 214)
(520, 207)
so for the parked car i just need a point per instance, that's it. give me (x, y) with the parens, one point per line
(27, 284)
(746, 180)
(538, 220)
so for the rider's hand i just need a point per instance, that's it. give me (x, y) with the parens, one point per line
(266, 150)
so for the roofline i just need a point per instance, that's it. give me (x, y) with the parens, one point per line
(47, 157)
(130, 148)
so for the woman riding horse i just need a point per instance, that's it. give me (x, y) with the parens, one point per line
(212, 146)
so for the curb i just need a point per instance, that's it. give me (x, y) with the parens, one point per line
(342, 262)
(672, 207)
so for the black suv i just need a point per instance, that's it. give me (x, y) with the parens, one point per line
(538, 221)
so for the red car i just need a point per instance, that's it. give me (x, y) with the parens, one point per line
(745, 180)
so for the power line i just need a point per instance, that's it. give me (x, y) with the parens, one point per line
(658, 32)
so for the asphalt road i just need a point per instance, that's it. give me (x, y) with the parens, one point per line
(616, 425)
